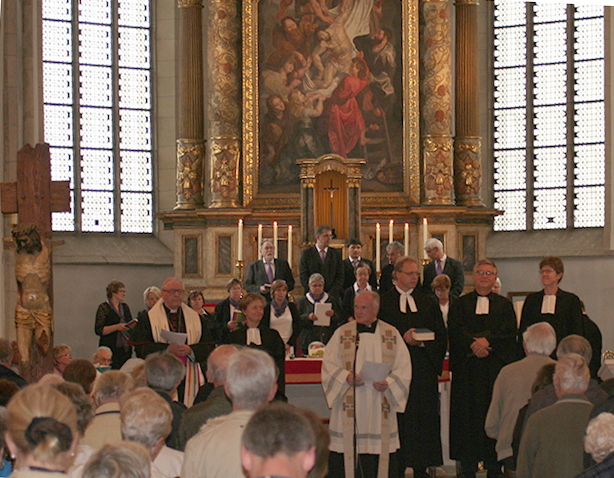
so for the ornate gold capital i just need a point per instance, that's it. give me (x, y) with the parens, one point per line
(189, 3)
(190, 163)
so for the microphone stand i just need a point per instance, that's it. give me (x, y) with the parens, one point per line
(356, 461)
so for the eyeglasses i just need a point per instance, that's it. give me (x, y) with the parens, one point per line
(174, 291)
(485, 273)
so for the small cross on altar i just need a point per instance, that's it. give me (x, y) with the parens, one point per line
(331, 190)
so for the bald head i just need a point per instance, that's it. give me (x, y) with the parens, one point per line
(217, 363)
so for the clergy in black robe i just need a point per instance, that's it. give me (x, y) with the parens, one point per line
(261, 337)
(566, 315)
(419, 428)
(480, 345)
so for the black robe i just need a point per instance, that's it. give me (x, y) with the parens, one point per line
(419, 428)
(566, 320)
(473, 378)
(273, 345)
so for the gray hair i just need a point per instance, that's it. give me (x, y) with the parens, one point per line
(163, 371)
(540, 338)
(266, 239)
(119, 460)
(572, 374)
(100, 349)
(6, 351)
(111, 385)
(217, 363)
(149, 290)
(278, 428)
(599, 438)
(397, 246)
(250, 376)
(316, 277)
(145, 417)
(575, 344)
(433, 243)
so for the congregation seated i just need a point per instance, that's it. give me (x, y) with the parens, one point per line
(82, 372)
(119, 460)
(146, 418)
(105, 427)
(599, 444)
(552, 443)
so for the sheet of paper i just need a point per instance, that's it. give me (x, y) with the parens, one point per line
(174, 337)
(374, 372)
(320, 311)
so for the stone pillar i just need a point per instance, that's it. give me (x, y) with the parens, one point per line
(191, 115)
(436, 96)
(224, 134)
(468, 143)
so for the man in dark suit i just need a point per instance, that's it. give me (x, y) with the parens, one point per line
(354, 247)
(263, 272)
(442, 264)
(394, 251)
(325, 260)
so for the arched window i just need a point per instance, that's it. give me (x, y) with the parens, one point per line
(97, 110)
(549, 114)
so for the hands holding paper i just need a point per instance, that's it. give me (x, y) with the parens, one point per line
(351, 380)
(180, 350)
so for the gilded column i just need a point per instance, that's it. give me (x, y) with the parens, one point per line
(224, 136)
(468, 143)
(436, 96)
(190, 141)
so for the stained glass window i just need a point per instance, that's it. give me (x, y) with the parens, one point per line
(97, 107)
(549, 140)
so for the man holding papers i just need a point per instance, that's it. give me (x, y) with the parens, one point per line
(381, 383)
(170, 314)
(412, 312)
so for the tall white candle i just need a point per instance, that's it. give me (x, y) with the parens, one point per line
(259, 240)
(240, 241)
(391, 231)
(425, 235)
(290, 246)
(377, 247)
(406, 239)
(275, 237)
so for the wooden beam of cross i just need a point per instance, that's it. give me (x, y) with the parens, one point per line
(331, 190)
(34, 197)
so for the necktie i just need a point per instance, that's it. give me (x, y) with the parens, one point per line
(269, 272)
(355, 264)
(438, 267)
(323, 255)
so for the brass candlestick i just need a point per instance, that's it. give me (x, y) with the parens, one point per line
(239, 265)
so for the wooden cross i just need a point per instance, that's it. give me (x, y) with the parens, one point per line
(331, 190)
(34, 197)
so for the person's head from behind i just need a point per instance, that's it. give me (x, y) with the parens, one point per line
(599, 437)
(119, 460)
(545, 377)
(146, 418)
(164, 371)
(251, 379)
(42, 428)
(84, 405)
(217, 364)
(575, 344)
(571, 375)
(278, 440)
(7, 390)
(82, 372)
(110, 386)
(539, 338)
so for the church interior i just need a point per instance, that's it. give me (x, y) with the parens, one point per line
(431, 138)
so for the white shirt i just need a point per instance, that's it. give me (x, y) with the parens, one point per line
(283, 324)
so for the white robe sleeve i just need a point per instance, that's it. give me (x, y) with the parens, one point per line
(334, 376)
(399, 377)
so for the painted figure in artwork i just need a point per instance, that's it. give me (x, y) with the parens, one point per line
(329, 83)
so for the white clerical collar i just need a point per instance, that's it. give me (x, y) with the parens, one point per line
(549, 304)
(253, 336)
(482, 306)
(404, 298)
(358, 289)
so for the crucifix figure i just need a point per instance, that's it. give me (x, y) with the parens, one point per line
(34, 196)
(331, 191)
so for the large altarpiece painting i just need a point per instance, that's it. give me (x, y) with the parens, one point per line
(330, 76)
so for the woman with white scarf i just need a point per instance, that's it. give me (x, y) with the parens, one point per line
(306, 307)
